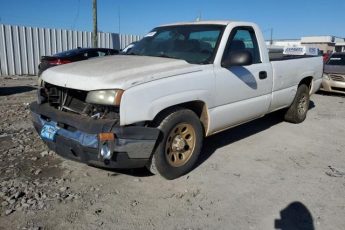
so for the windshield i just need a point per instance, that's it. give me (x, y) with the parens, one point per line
(337, 59)
(192, 43)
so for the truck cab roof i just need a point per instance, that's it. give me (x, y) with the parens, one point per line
(206, 22)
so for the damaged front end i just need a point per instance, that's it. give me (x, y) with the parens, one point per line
(75, 101)
(89, 132)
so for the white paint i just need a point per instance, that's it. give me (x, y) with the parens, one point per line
(232, 96)
(115, 72)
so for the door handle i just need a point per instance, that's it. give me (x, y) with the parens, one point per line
(262, 75)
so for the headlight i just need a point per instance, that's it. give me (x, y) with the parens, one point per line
(105, 97)
(326, 77)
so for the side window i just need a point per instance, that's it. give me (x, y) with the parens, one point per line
(92, 54)
(163, 36)
(243, 39)
(101, 53)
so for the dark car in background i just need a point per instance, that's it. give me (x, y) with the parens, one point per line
(73, 55)
(128, 48)
(334, 74)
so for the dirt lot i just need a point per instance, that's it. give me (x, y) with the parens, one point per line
(267, 174)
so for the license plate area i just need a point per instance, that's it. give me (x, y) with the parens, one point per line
(48, 132)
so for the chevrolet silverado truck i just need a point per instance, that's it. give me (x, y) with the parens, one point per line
(181, 83)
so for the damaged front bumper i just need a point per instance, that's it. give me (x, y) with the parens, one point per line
(78, 138)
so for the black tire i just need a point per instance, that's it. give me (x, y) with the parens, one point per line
(162, 160)
(297, 112)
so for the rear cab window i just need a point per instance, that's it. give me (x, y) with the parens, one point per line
(207, 39)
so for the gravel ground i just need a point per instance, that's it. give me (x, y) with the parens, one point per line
(267, 174)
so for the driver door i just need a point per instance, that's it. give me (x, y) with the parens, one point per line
(242, 92)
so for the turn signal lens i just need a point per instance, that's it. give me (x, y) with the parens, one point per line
(106, 137)
(118, 97)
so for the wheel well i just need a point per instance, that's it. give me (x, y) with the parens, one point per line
(198, 107)
(307, 81)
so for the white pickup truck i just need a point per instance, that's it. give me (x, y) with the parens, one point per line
(179, 84)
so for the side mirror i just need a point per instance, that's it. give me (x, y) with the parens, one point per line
(238, 58)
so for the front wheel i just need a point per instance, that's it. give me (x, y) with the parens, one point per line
(297, 112)
(180, 145)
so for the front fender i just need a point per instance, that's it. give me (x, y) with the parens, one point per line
(175, 99)
(145, 101)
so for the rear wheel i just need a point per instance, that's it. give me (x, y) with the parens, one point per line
(180, 144)
(297, 112)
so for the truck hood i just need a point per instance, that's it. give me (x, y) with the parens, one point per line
(116, 72)
(339, 69)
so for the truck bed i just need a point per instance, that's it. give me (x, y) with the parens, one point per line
(288, 72)
(277, 56)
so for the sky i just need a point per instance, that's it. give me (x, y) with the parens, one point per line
(289, 18)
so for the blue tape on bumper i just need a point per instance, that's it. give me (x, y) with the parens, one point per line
(84, 139)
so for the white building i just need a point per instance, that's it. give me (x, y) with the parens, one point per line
(284, 42)
(324, 43)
